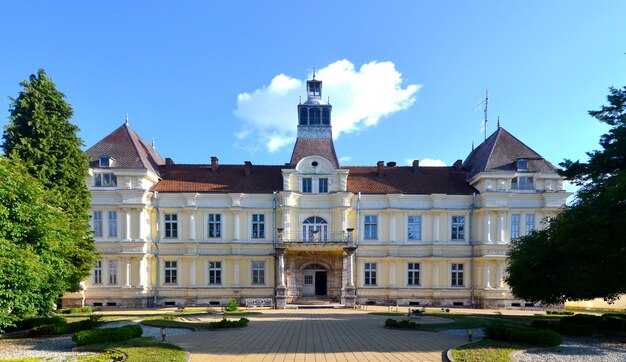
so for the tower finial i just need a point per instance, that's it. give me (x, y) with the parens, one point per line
(498, 121)
(472, 145)
(153, 143)
(313, 73)
(300, 100)
(126, 120)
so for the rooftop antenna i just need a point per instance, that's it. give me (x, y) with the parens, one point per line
(126, 120)
(483, 126)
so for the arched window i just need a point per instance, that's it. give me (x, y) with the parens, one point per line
(326, 117)
(314, 116)
(304, 116)
(315, 229)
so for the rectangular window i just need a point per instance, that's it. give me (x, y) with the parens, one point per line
(414, 228)
(171, 272)
(456, 275)
(113, 223)
(370, 273)
(215, 272)
(97, 223)
(171, 226)
(530, 223)
(523, 183)
(307, 184)
(458, 228)
(214, 225)
(515, 226)
(323, 185)
(371, 227)
(105, 180)
(112, 272)
(258, 226)
(97, 272)
(413, 274)
(258, 272)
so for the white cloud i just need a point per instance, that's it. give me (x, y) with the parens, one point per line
(426, 162)
(343, 159)
(360, 98)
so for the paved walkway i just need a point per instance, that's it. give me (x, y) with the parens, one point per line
(316, 335)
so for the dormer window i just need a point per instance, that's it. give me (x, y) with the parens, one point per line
(522, 165)
(106, 161)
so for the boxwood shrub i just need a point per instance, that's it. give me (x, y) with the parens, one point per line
(575, 329)
(559, 312)
(586, 319)
(88, 310)
(40, 321)
(226, 323)
(613, 322)
(66, 328)
(543, 337)
(107, 335)
(403, 324)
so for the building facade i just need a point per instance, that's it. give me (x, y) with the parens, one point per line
(311, 229)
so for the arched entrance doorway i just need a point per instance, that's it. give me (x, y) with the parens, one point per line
(315, 281)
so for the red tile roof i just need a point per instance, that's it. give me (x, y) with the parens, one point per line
(403, 180)
(127, 149)
(266, 179)
(228, 178)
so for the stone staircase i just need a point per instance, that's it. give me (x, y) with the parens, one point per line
(318, 301)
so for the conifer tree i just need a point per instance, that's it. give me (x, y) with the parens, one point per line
(42, 137)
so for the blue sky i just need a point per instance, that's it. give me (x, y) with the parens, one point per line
(208, 78)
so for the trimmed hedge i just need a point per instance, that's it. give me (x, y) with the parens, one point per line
(586, 319)
(567, 328)
(613, 322)
(40, 321)
(403, 324)
(225, 323)
(543, 337)
(65, 328)
(558, 312)
(88, 310)
(107, 335)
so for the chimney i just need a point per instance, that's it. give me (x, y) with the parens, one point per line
(416, 165)
(169, 162)
(391, 164)
(248, 167)
(214, 164)
(380, 168)
(458, 165)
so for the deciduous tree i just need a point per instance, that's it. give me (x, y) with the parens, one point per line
(581, 254)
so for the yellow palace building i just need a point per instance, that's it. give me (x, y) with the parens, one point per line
(311, 230)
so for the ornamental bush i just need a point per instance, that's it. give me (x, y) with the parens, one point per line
(107, 335)
(40, 321)
(403, 324)
(225, 323)
(66, 328)
(543, 337)
(232, 305)
(75, 310)
(586, 319)
(575, 329)
(559, 312)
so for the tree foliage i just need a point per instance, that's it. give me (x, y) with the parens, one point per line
(581, 254)
(42, 137)
(33, 238)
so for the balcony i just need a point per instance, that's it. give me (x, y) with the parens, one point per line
(315, 239)
(522, 186)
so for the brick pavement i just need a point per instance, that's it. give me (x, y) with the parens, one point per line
(315, 335)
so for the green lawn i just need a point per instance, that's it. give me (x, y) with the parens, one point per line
(143, 349)
(487, 350)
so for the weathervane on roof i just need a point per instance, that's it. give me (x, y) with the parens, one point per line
(126, 120)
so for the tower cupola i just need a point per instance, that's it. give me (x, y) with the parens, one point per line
(313, 115)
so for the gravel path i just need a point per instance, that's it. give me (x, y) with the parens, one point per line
(587, 349)
(59, 348)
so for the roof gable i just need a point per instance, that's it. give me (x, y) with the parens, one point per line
(500, 151)
(127, 149)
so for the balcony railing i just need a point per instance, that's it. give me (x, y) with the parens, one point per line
(315, 237)
(524, 186)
